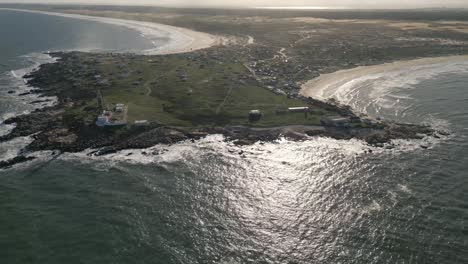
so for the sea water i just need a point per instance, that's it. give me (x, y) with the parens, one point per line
(318, 201)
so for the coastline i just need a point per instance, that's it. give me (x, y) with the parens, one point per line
(22, 90)
(181, 40)
(316, 87)
(62, 128)
(70, 139)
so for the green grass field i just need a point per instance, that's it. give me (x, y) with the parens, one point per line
(181, 90)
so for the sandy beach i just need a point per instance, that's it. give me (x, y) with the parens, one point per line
(180, 39)
(316, 87)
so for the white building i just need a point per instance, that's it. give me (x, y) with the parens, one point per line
(119, 108)
(102, 120)
(141, 123)
(304, 109)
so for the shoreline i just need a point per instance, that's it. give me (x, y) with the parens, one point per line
(71, 138)
(315, 88)
(181, 40)
(49, 132)
(24, 91)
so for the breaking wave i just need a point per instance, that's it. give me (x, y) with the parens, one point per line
(291, 151)
(386, 93)
(15, 94)
(16, 99)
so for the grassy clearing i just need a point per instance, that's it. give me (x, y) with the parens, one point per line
(189, 91)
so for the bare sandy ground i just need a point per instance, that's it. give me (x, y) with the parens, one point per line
(458, 26)
(315, 88)
(180, 40)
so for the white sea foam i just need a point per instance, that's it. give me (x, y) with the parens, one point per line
(179, 40)
(382, 91)
(279, 152)
(20, 105)
(6, 129)
(283, 153)
(380, 88)
(377, 85)
(380, 85)
(17, 83)
(12, 148)
(404, 189)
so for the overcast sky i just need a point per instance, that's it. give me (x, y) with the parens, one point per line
(255, 3)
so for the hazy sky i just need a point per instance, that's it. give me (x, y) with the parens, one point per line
(251, 3)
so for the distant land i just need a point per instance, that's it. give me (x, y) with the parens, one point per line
(248, 85)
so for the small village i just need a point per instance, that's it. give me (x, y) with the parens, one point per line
(113, 113)
(252, 83)
(117, 117)
(116, 114)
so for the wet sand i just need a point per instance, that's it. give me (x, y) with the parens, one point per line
(315, 88)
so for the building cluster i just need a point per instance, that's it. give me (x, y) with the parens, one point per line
(116, 117)
(107, 119)
(276, 76)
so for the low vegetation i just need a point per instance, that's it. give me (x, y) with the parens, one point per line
(186, 90)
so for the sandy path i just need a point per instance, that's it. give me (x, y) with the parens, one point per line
(316, 87)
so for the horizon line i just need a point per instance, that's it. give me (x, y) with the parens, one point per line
(289, 8)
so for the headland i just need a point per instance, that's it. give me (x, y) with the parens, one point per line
(248, 87)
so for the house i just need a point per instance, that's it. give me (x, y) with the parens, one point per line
(303, 109)
(106, 120)
(102, 120)
(255, 115)
(141, 123)
(119, 108)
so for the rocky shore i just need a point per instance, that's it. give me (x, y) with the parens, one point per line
(48, 135)
(52, 129)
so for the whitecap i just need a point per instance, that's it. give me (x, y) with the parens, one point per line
(18, 83)
(14, 147)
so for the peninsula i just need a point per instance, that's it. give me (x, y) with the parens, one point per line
(244, 83)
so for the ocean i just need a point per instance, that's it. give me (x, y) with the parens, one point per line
(318, 201)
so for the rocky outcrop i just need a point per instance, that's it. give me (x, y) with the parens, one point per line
(146, 139)
(14, 161)
(30, 124)
(58, 128)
